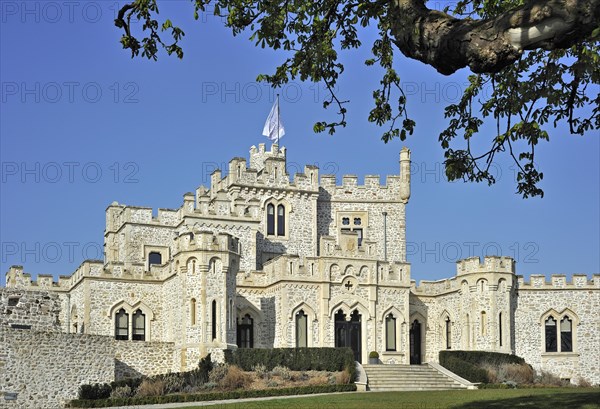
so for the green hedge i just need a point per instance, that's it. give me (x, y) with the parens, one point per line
(466, 363)
(296, 359)
(465, 369)
(481, 357)
(239, 394)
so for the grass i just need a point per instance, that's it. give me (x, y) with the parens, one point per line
(554, 398)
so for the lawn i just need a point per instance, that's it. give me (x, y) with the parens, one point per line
(555, 398)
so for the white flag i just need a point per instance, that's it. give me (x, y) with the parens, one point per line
(274, 124)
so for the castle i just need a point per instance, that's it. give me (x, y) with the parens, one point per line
(262, 260)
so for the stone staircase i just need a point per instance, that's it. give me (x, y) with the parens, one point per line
(409, 378)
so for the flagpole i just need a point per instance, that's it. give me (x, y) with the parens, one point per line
(277, 119)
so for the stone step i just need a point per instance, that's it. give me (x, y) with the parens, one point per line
(408, 378)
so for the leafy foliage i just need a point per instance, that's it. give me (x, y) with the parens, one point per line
(543, 88)
(296, 359)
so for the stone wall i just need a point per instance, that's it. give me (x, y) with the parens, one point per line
(45, 369)
(37, 310)
(580, 301)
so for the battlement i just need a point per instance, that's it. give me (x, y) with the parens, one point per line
(118, 214)
(491, 264)
(437, 287)
(558, 282)
(16, 278)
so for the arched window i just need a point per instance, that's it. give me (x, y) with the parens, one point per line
(214, 319)
(550, 331)
(193, 311)
(122, 325)
(483, 324)
(270, 219)
(301, 329)
(448, 333)
(566, 334)
(280, 220)
(139, 326)
(390, 333)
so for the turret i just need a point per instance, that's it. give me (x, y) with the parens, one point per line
(405, 175)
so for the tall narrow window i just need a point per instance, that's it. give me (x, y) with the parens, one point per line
(214, 319)
(390, 333)
(139, 326)
(301, 329)
(483, 324)
(154, 257)
(270, 219)
(193, 311)
(550, 331)
(500, 329)
(122, 325)
(280, 220)
(468, 331)
(230, 313)
(566, 335)
(448, 333)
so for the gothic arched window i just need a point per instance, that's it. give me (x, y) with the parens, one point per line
(390, 333)
(280, 220)
(301, 329)
(139, 326)
(122, 325)
(270, 219)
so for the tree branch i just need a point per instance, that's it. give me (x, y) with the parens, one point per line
(488, 45)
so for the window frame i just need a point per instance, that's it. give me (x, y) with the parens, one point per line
(118, 328)
(361, 228)
(565, 341)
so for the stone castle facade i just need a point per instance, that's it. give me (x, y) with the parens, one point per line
(262, 260)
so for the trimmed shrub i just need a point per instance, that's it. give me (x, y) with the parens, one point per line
(465, 369)
(237, 394)
(95, 391)
(481, 357)
(296, 359)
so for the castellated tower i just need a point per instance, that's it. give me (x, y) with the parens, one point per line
(487, 303)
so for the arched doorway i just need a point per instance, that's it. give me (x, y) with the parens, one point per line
(245, 332)
(415, 343)
(348, 332)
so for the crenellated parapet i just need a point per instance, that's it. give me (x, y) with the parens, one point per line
(491, 264)
(371, 190)
(437, 287)
(118, 215)
(558, 282)
(18, 279)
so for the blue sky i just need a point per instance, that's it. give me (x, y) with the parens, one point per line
(82, 125)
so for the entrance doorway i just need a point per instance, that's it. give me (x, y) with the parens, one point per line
(415, 343)
(348, 333)
(245, 332)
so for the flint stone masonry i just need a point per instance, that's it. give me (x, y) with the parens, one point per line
(45, 368)
(226, 273)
